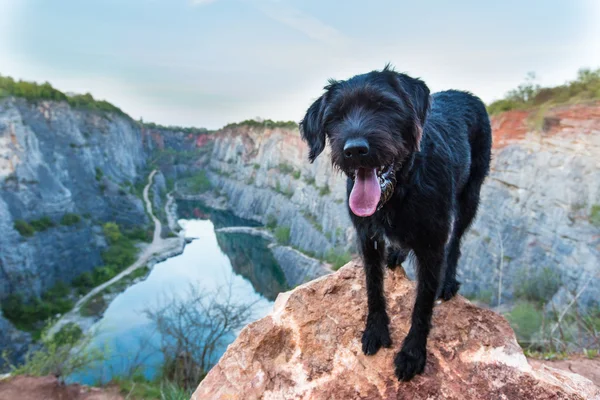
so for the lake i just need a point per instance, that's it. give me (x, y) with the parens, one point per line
(212, 261)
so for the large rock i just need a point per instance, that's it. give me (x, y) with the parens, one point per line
(309, 348)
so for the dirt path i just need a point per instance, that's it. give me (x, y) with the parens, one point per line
(157, 247)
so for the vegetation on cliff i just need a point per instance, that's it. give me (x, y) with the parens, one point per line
(267, 123)
(531, 95)
(33, 91)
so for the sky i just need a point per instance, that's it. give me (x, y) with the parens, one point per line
(207, 63)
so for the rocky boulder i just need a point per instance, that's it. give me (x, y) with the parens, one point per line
(309, 348)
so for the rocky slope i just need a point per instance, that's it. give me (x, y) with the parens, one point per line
(309, 348)
(57, 160)
(536, 214)
(54, 160)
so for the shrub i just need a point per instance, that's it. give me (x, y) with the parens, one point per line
(94, 306)
(526, 320)
(60, 355)
(198, 183)
(28, 314)
(70, 219)
(256, 166)
(140, 234)
(296, 174)
(285, 168)
(271, 221)
(24, 228)
(99, 174)
(324, 190)
(282, 234)
(263, 124)
(538, 286)
(527, 95)
(112, 232)
(337, 258)
(595, 215)
(41, 224)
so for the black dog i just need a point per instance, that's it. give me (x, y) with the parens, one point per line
(415, 165)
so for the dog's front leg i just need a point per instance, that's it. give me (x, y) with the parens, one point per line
(377, 332)
(412, 357)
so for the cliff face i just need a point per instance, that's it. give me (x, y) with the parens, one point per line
(309, 348)
(265, 175)
(536, 209)
(53, 161)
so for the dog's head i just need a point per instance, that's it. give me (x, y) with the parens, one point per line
(374, 123)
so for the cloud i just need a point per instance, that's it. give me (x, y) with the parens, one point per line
(201, 2)
(300, 21)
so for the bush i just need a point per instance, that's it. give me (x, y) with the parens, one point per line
(34, 92)
(538, 286)
(271, 221)
(27, 315)
(527, 95)
(60, 355)
(140, 234)
(112, 232)
(285, 168)
(42, 224)
(24, 228)
(99, 174)
(70, 219)
(595, 215)
(526, 320)
(198, 183)
(337, 258)
(282, 234)
(263, 124)
(324, 190)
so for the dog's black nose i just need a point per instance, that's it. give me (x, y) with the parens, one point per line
(355, 148)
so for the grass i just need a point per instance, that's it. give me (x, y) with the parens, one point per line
(528, 95)
(99, 174)
(324, 190)
(283, 234)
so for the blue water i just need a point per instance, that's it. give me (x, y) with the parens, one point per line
(126, 335)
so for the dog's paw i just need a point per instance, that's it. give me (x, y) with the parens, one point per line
(449, 290)
(409, 362)
(376, 336)
(396, 257)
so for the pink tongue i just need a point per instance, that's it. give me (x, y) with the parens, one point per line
(365, 193)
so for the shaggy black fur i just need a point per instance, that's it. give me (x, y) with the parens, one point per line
(441, 145)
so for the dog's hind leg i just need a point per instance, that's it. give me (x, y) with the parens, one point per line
(377, 333)
(468, 202)
(412, 357)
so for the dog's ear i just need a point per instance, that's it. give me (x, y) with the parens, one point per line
(313, 129)
(417, 94)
